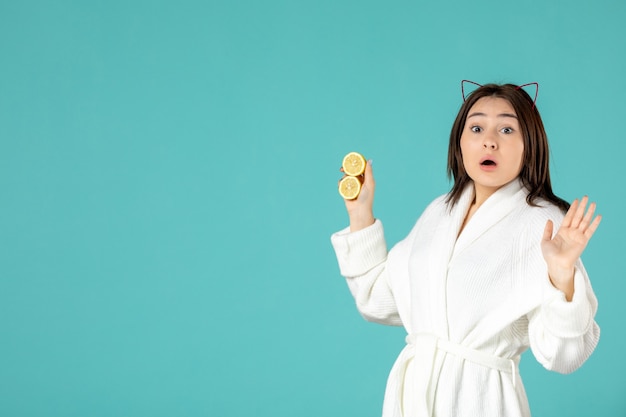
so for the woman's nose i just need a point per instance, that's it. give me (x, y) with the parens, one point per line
(490, 143)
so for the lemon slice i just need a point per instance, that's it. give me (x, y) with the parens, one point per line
(349, 187)
(353, 164)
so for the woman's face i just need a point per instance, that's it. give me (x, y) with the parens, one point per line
(492, 145)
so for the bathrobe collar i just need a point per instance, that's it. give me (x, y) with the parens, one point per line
(498, 205)
(446, 245)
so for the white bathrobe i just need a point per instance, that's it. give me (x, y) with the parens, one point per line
(470, 305)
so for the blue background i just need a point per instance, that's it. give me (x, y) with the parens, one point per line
(168, 176)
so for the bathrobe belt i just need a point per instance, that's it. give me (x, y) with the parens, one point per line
(422, 349)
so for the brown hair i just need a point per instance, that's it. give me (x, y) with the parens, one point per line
(535, 173)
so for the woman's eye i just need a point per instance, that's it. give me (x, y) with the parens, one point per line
(507, 130)
(475, 129)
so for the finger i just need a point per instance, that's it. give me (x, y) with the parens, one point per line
(588, 216)
(368, 175)
(341, 169)
(567, 220)
(547, 231)
(580, 211)
(593, 227)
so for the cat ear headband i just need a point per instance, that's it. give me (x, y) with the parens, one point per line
(517, 88)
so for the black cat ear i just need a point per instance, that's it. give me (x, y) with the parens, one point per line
(463, 87)
(536, 90)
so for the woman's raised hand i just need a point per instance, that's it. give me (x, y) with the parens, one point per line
(563, 250)
(361, 209)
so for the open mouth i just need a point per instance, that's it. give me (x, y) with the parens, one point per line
(488, 162)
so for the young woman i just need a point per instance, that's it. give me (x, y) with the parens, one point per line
(482, 276)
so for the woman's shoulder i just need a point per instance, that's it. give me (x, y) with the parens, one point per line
(436, 208)
(535, 216)
(438, 203)
(430, 215)
(543, 209)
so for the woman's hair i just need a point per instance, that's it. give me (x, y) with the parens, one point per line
(535, 172)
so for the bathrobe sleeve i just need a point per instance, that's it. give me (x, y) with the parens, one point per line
(562, 334)
(362, 258)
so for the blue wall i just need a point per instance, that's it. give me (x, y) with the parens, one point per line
(168, 182)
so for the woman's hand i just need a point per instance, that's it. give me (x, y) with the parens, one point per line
(563, 250)
(361, 209)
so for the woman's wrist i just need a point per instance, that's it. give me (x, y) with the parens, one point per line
(361, 221)
(563, 280)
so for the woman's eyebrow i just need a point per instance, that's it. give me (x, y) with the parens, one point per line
(500, 115)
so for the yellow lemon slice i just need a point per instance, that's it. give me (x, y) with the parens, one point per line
(349, 187)
(353, 164)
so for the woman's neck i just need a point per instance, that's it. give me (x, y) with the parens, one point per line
(481, 194)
